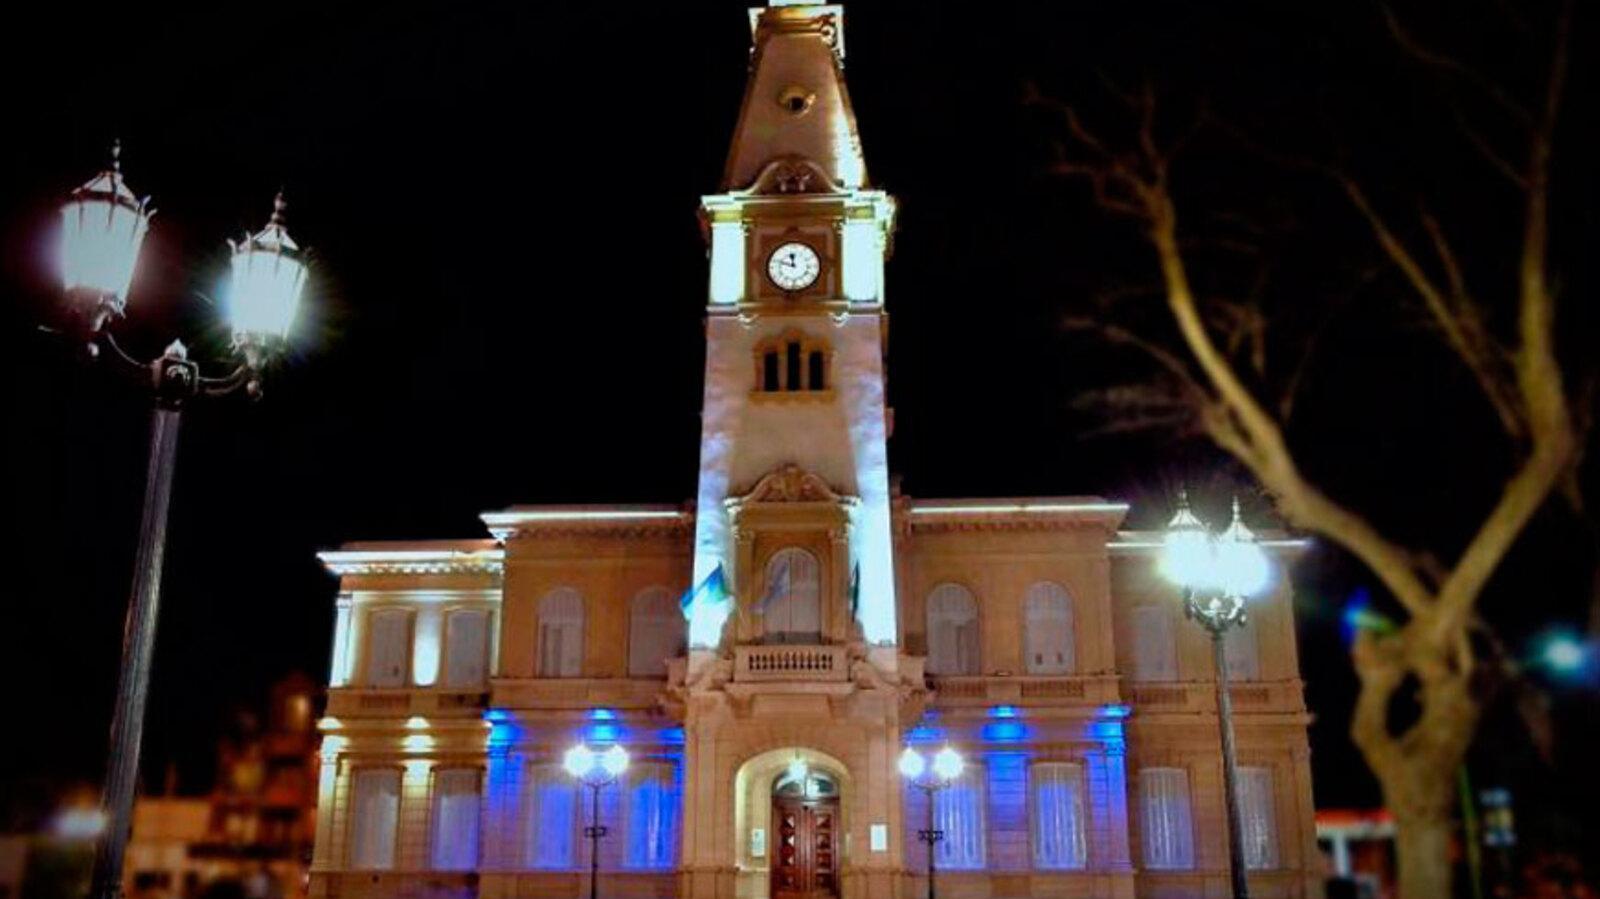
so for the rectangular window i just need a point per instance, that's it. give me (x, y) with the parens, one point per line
(1155, 653)
(1260, 837)
(374, 814)
(791, 367)
(467, 649)
(388, 646)
(454, 840)
(1168, 832)
(652, 801)
(1058, 816)
(552, 818)
(1239, 647)
(958, 811)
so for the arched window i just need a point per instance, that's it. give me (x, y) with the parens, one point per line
(1239, 644)
(816, 374)
(561, 633)
(374, 818)
(1048, 631)
(791, 603)
(952, 630)
(1155, 653)
(655, 632)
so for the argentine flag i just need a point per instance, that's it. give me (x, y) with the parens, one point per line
(704, 607)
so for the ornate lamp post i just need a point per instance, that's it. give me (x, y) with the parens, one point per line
(595, 770)
(931, 777)
(1218, 574)
(103, 226)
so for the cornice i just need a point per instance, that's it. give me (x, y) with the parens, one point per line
(588, 521)
(414, 561)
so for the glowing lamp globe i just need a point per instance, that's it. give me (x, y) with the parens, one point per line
(103, 225)
(614, 761)
(268, 275)
(579, 761)
(1186, 553)
(1564, 653)
(912, 764)
(947, 764)
(1242, 568)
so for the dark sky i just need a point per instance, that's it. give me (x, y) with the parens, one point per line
(509, 298)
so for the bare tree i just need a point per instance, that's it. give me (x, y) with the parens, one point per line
(1210, 369)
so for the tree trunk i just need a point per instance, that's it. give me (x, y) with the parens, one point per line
(1422, 844)
(1417, 768)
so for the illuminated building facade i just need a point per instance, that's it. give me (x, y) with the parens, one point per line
(827, 622)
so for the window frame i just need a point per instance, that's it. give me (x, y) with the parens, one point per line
(435, 796)
(1188, 863)
(635, 606)
(533, 817)
(545, 617)
(356, 819)
(1080, 836)
(935, 664)
(407, 648)
(487, 658)
(1052, 590)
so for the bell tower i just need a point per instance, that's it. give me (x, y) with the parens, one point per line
(794, 420)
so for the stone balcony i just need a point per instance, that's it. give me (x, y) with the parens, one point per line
(790, 664)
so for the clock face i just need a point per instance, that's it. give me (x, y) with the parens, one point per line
(793, 266)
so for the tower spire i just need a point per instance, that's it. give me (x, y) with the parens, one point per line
(796, 106)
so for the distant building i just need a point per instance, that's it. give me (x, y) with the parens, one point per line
(256, 827)
(830, 622)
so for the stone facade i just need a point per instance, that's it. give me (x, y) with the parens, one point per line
(827, 622)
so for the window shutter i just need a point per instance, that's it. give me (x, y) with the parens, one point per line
(388, 633)
(1260, 837)
(1155, 653)
(1048, 631)
(1167, 830)
(467, 653)
(374, 814)
(454, 845)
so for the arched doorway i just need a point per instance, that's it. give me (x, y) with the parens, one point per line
(806, 834)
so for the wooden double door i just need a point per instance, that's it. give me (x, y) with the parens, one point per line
(805, 864)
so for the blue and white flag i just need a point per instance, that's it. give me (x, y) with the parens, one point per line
(713, 591)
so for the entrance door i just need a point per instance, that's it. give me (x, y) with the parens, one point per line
(805, 865)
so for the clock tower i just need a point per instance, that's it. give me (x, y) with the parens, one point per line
(795, 339)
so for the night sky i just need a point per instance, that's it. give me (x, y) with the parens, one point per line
(509, 297)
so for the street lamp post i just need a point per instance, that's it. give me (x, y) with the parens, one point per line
(595, 770)
(103, 226)
(1217, 575)
(931, 777)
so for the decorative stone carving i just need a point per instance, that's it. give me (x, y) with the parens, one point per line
(791, 484)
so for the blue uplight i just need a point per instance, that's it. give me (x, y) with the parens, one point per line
(925, 733)
(1003, 711)
(1005, 732)
(602, 715)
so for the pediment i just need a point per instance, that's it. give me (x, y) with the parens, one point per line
(792, 174)
(790, 484)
